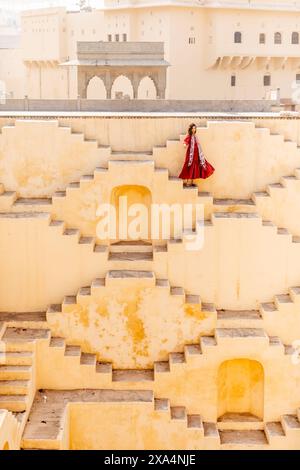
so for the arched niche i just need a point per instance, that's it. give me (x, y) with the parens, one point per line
(137, 202)
(241, 388)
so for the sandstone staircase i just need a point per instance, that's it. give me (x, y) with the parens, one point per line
(22, 335)
(116, 277)
(242, 431)
(47, 427)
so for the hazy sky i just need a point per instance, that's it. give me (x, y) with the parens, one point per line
(22, 4)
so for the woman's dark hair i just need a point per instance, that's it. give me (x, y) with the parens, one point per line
(191, 128)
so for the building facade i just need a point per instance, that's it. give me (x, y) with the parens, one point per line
(229, 50)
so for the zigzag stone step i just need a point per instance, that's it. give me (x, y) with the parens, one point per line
(241, 335)
(195, 422)
(57, 343)
(291, 424)
(131, 246)
(87, 359)
(176, 359)
(270, 202)
(45, 427)
(178, 413)
(234, 440)
(32, 205)
(131, 155)
(15, 372)
(234, 205)
(130, 277)
(274, 433)
(59, 198)
(98, 286)
(133, 376)
(211, 430)
(281, 315)
(60, 226)
(14, 338)
(16, 403)
(130, 257)
(261, 201)
(24, 320)
(239, 319)
(14, 387)
(22, 358)
(239, 422)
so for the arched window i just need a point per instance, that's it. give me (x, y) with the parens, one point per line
(147, 89)
(237, 37)
(277, 38)
(262, 38)
(295, 38)
(122, 88)
(96, 89)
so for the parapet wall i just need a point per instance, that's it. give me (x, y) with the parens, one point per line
(138, 105)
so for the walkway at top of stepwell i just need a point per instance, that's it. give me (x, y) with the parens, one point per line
(99, 114)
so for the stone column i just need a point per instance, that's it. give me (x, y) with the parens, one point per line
(108, 82)
(161, 83)
(135, 84)
(161, 93)
(81, 83)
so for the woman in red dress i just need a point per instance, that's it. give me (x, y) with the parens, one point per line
(195, 165)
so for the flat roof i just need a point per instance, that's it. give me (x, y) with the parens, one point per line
(117, 63)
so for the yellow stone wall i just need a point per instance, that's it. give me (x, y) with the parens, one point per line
(211, 330)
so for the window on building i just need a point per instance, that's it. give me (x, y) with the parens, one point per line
(124, 37)
(295, 38)
(298, 78)
(262, 38)
(277, 38)
(109, 37)
(192, 40)
(238, 37)
(117, 37)
(233, 80)
(267, 80)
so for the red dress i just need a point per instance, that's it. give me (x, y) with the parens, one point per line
(195, 165)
